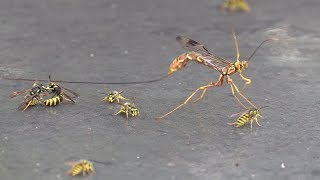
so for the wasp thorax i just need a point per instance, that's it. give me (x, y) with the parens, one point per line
(178, 64)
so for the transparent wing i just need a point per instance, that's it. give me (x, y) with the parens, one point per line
(20, 92)
(239, 113)
(192, 45)
(69, 92)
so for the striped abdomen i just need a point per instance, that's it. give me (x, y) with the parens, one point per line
(53, 101)
(242, 120)
(76, 170)
(83, 167)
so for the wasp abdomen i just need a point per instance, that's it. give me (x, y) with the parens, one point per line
(53, 101)
(242, 120)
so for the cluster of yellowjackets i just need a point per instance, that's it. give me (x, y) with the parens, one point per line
(48, 95)
(127, 108)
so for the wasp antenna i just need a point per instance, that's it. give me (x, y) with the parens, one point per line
(133, 102)
(263, 107)
(263, 42)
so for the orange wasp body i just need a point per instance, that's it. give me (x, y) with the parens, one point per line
(199, 53)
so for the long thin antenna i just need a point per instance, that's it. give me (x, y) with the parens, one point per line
(86, 82)
(259, 47)
(263, 107)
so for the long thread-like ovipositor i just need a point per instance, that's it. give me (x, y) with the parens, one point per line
(87, 82)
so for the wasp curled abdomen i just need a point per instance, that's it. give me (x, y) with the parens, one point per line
(178, 63)
(182, 60)
(53, 101)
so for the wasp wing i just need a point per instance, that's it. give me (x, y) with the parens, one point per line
(20, 92)
(210, 57)
(238, 113)
(68, 97)
(69, 92)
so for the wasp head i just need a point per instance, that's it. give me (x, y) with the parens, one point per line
(244, 64)
(51, 85)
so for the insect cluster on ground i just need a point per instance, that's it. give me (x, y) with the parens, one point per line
(126, 107)
(52, 94)
(196, 52)
(35, 96)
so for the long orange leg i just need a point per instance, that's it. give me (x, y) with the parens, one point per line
(232, 91)
(238, 91)
(188, 99)
(247, 82)
(218, 83)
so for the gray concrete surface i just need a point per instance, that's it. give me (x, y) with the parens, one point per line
(109, 40)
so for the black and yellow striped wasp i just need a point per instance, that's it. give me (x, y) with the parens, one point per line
(128, 109)
(58, 94)
(82, 167)
(236, 5)
(34, 97)
(246, 116)
(114, 96)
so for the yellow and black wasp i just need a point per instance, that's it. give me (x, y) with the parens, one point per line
(114, 96)
(236, 5)
(248, 115)
(59, 93)
(82, 167)
(33, 98)
(129, 109)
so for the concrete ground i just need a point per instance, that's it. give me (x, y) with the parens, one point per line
(109, 40)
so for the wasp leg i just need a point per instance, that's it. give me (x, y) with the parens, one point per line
(187, 100)
(229, 80)
(238, 100)
(257, 121)
(251, 122)
(218, 83)
(118, 112)
(27, 105)
(232, 91)
(247, 82)
(127, 113)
